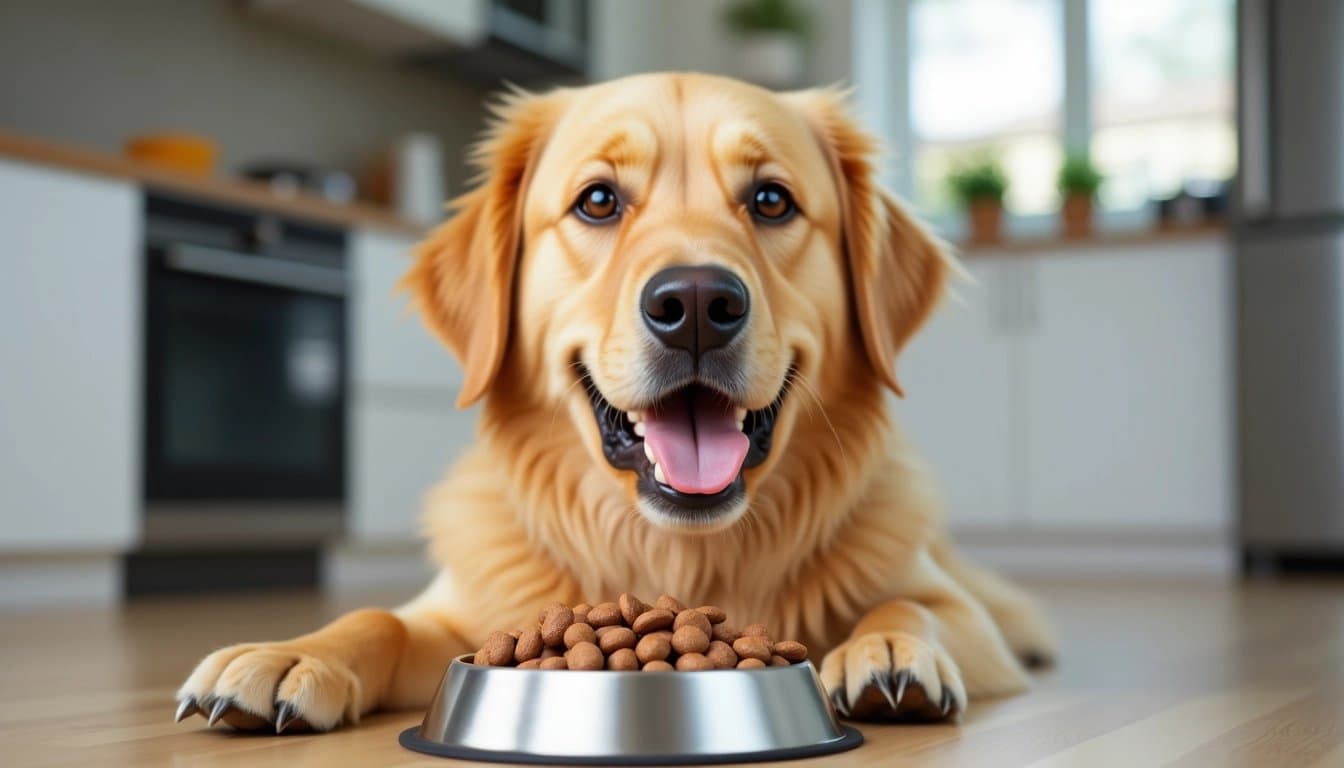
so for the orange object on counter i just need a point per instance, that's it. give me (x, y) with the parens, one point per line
(176, 151)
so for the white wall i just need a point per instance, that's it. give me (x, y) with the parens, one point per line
(94, 73)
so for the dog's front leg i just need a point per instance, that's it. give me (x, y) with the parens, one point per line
(363, 660)
(915, 658)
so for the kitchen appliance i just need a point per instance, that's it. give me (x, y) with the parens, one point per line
(1290, 281)
(565, 717)
(244, 395)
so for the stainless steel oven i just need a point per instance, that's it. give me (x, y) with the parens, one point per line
(244, 398)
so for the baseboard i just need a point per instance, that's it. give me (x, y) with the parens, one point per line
(1128, 555)
(357, 566)
(39, 581)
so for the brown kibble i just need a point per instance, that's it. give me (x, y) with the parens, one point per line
(653, 620)
(653, 648)
(689, 639)
(554, 621)
(623, 660)
(658, 665)
(584, 656)
(528, 647)
(693, 662)
(755, 630)
(550, 652)
(555, 662)
(498, 650)
(752, 647)
(714, 613)
(514, 634)
(670, 603)
(751, 664)
(631, 607)
(790, 649)
(581, 613)
(726, 632)
(605, 615)
(616, 638)
(721, 655)
(692, 618)
(479, 659)
(579, 633)
(666, 634)
(778, 661)
(530, 664)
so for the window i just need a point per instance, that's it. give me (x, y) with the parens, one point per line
(987, 76)
(1162, 95)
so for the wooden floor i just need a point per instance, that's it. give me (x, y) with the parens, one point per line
(1150, 675)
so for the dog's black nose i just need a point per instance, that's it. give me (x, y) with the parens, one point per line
(695, 308)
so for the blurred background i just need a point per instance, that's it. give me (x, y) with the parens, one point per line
(208, 384)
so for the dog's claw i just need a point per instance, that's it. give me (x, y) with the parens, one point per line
(838, 701)
(947, 701)
(902, 679)
(883, 684)
(217, 711)
(285, 715)
(186, 708)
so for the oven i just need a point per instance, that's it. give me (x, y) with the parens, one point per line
(245, 385)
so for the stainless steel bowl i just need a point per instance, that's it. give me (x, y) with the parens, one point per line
(629, 718)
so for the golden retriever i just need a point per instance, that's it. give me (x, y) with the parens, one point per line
(679, 298)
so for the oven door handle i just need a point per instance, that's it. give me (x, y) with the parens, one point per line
(232, 265)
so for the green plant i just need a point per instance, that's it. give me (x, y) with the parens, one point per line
(1078, 176)
(750, 16)
(977, 179)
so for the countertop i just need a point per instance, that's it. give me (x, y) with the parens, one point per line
(243, 193)
(1150, 674)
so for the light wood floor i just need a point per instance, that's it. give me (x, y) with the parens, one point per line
(1150, 675)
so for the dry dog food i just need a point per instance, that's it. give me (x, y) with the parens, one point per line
(629, 635)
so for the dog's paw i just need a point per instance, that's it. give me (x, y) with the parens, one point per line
(893, 676)
(271, 686)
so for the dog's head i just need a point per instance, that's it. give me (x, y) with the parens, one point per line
(670, 258)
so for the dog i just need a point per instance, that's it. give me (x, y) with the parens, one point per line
(679, 299)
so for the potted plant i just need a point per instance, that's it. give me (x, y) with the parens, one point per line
(978, 185)
(1078, 183)
(772, 34)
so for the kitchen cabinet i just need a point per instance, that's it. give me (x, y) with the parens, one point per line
(70, 356)
(1086, 389)
(404, 427)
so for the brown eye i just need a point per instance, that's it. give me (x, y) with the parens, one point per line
(597, 204)
(772, 202)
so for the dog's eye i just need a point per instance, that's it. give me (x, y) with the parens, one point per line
(772, 202)
(597, 204)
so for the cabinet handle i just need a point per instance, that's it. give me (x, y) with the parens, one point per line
(231, 265)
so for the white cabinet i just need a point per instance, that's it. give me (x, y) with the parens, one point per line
(1080, 390)
(961, 387)
(404, 426)
(1128, 388)
(69, 360)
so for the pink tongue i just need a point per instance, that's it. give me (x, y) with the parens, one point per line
(696, 442)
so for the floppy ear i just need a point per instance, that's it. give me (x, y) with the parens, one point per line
(897, 269)
(462, 279)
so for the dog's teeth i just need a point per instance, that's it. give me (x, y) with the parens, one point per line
(658, 474)
(639, 428)
(741, 426)
(739, 415)
(635, 416)
(648, 452)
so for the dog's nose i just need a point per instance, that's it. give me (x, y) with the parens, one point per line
(695, 308)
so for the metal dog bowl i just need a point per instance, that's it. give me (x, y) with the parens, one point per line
(566, 717)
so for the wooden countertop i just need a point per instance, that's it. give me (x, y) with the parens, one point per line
(1149, 674)
(242, 193)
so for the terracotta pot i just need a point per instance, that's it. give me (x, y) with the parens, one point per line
(1076, 216)
(986, 220)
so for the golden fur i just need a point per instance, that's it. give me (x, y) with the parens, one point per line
(840, 543)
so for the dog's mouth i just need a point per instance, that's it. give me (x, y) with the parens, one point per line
(688, 448)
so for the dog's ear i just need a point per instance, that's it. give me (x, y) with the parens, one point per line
(462, 280)
(898, 270)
